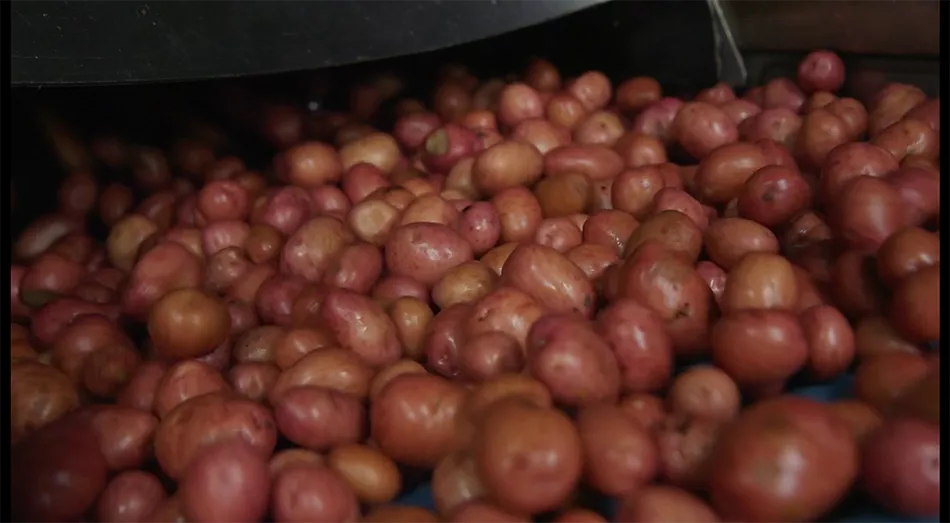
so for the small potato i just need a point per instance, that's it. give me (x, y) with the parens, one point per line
(518, 102)
(425, 251)
(373, 477)
(671, 199)
(830, 341)
(311, 249)
(674, 230)
(505, 165)
(361, 325)
(821, 71)
(668, 283)
(39, 394)
(619, 455)
(444, 339)
(330, 367)
(599, 128)
(849, 161)
(866, 212)
(638, 149)
(141, 389)
(253, 380)
(430, 208)
(124, 240)
(480, 226)
(375, 148)
(329, 199)
(413, 418)
(533, 268)
(259, 344)
(185, 380)
(656, 119)
(879, 381)
(597, 162)
(558, 340)
(48, 321)
(905, 252)
(774, 195)
(665, 503)
(909, 137)
(900, 467)
(781, 92)
(565, 110)
(561, 234)
(855, 286)
(399, 514)
(685, 445)
(636, 94)
(761, 280)
(411, 317)
(108, 369)
(294, 457)
(729, 240)
(372, 220)
(700, 128)
(891, 104)
(263, 243)
(188, 323)
(860, 417)
(285, 209)
(915, 307)
(488, 355)
(465, 283)
(780, 346)
(919, 191)
(391, 288)
(166, 267)
(455, 482)
(480, 511)
(519, 214)
(319, 418)
(81, 338)
(740, 110)
(593, 259)
(642, 348)
(611, 228)
(564, 194)
(42, 234)
(496, 258)
(820, 133)
(646, 410)
(726, 169)
(185, 431)
(542, 134)
(243, 497)
(704, 392)
(130, 497)
(357, 268)
(781, 125)
(633, 190)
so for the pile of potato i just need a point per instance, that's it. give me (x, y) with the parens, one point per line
(500, 292)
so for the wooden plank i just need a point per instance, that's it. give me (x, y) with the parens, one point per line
(887, 27)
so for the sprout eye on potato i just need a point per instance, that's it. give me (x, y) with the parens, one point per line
(499, 290)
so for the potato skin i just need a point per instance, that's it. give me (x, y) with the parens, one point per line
(206, 419)
(361, 325)
(550, 278)
(425, 251)
(243, 497)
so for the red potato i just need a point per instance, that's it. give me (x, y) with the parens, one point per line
(488, 355)
(758, 346)
(82, 337)
(564, 110)
(108, 369)
(760, 280)
(853, 114)
(373, 477)
(909, 137)
(915, 306)
(782, 92)
(564, 195)
(362, 180)
(42, 234)
(684, 446)
(641, 346)
(818, 100)
(715, 277)
(130, 497)
(284, 209)
(480, 225)
(48, 321)
(430, 208)
(165, 268)
(61, 473)
(505, 309)
(329, 368)
(284, 348)
(820, 133)
(611, 228)
(410, 251)
(446, 146)
(207, 497)
(413, 418)
(636, 94)
(781, 125)
(830, 341)
(183, 381)
(866, 212)
(77, 193)
(704, 392)
(724, 171)
(901, 467)
(507, 164)
(372, 220)
(357, 268)
(798, 490)
(891, 104)
(740, 110)
(716, 95)
(774, 195)
(465, 283)
(542, 134)
(253, 380)
(528, 457)
(599, 128)
(444, 339)
(412, 129)
(821, 71)
(638, 149)
(699, 128)
(671, 199)
(928, 112)
(668, 283)
(311, 250)
(919, 191)
(263, 243)
(222, 235)
(619, 455)
(319, 418)
(882, 379)
(656, 119)
(141, 389)
(375, 148)
(599, 163)
(225, 268)
(204, 420)
(39, 395)
(533, 269)
(592, 88)
(905, 252)
(221, 200)
(188, 323)
(455, 482)
(125, 238)
(874, 335)
(518, 102)
(728, 240)
(391, 288)
(675, 231)
(387, 374)
(855, 286)
(633, 190)
(361, 325)
(542, 75)
(665, 503)
(114, 202)
(576, 365)
(593, 260)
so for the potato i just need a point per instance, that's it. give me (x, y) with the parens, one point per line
(412, 419)
(704, 392)
(672, 229)
(558, 340)
(597, 162)
(124, 434)
(534, 269)
(39, 395)
(310, 251)
(700, 128)
(505, 309)
(465, 283)
(725, 170)
(760, 280)
(633, 190)
(207, 419)
(165, 268)
(253, 380)
(480, 226)
(780, 348)
(728, 240)
(319, 418)
(373, 477)
(506, 164)
(312, 493)
(425, 251)
(619, 455)
(641, 346)
(665, 503)
(899, 462)
(519, 214)
(330, 367)
(243, 497)
(362, 326)
(129, 497)
(185, 380)
(455, 482)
